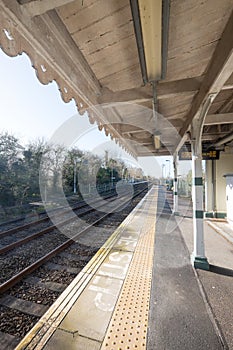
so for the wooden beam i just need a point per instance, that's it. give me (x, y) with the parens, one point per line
(230, 80)
(227, 87)
(164, 90)
(211, 137)
(38, 7)
(143, 142)
(216, 119)
(125, 130)
(130, 129)
(225, 139)
(142, 94)
(183, 86)
(226, 106)
(155, 153)
(131, 95)
(218, 72)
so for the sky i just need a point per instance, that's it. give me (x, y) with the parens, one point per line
(30, 110)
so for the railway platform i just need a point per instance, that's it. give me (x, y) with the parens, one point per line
(140, 291)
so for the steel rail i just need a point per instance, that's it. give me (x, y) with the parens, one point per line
(21, 218)
(22, 227)
(46, 230)
(33, 223)
(18, 277)
(18, 219)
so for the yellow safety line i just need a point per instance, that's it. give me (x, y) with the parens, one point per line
(129, 322)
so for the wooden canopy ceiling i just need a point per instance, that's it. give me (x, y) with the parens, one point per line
(89, 48)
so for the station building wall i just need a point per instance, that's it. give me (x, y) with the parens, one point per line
(215, 183)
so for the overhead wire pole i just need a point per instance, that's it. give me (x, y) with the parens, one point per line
(75, 176)
(175, 186)
(169, 168)
(163, 174)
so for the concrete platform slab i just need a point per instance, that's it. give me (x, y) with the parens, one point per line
(217, 284)
(91, 313)
(116, 264)
(223, 228)
(63, 340)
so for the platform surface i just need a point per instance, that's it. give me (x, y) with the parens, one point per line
(141, 292)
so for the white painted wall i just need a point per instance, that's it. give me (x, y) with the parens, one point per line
(229, 194)
(223, 166)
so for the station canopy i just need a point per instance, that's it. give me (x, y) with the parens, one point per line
(142, 69)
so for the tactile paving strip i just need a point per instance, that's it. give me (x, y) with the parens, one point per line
(129, 323)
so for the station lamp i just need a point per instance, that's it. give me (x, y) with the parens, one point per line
(151, 22)
(157, 142)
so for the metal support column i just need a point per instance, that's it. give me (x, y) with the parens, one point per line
(175, 187)
(214, 209)
(198, 258)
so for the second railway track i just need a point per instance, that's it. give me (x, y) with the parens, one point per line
(22, 234)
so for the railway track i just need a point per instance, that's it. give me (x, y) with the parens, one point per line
(12, 223)
(46, 238)
(27, 294)
(15, 225)
(20, 235)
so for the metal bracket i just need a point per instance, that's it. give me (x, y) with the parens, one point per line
(198, 123)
